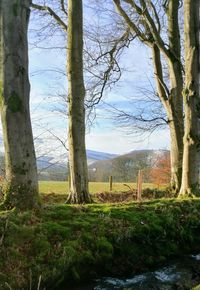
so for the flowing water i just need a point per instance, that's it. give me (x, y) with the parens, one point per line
(179, 274)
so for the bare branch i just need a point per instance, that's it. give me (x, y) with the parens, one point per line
(156, 16)
(130, 23)
(63, 7)
(52, 13)
(155, 32)
(110, 59)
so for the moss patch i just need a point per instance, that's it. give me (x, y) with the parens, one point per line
(14, 102)
(16, 8)
(63, 243)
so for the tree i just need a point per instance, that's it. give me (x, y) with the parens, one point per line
(191, 95)
(20, 161)
(144, 21)
(161, 171)
(76, 95)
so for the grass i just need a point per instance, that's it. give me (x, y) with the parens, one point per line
(68, 243)
(56, 191)
(62, 187)
(62, 244)
(53, 192)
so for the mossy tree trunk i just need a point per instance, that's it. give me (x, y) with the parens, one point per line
(191, 95)
(76, 95)
(20, 161)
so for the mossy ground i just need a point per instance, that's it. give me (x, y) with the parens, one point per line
(69, 243)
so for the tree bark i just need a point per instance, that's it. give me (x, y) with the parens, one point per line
(175, 125)
(76, 94)
(20, 161)
(176, 155)
(191, 95)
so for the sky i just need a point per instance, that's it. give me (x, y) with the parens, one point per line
(48, 80)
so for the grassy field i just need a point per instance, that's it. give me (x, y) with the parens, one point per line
(61, 187)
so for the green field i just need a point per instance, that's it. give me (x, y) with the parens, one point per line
(61, 187)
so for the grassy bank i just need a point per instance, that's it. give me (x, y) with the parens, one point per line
(63, 243)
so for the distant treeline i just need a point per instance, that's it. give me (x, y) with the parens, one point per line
(125, 168)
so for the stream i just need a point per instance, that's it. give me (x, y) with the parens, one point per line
(180, 274)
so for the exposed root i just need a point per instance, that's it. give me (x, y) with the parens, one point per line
(82, 198)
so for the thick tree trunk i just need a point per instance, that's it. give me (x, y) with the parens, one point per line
(190, 178)
(20, 161)
(76, 94)
(176, 124)
(176, 155)
(175, 119)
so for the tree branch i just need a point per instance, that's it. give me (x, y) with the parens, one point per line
(130, 23)
(63, 7)
(52, 13)
(163, 91)
(155, 32)
(110, 57)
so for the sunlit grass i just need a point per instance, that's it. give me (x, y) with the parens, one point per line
(62, 187)
(76, 242)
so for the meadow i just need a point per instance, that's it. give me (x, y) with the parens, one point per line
(62, 187)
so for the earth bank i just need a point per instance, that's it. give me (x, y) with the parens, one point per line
(62, 244)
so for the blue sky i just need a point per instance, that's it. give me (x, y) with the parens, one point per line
(104, 135)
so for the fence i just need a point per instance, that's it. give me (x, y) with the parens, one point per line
(139, 185)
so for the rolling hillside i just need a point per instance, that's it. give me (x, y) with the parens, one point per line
(124, 168)
(51, 168)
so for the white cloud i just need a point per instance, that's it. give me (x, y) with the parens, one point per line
(120, 143)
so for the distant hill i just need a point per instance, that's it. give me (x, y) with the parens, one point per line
(55, 168)
(124, 168)
(94, 156)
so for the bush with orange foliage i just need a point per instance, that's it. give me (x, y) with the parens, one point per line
(161, 172)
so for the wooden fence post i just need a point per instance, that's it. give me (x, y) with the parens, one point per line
(111, 182)
(139, 186)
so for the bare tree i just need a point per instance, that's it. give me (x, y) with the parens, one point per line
(143, 20)
(148, 114)
(191, 94)
(76, 94)
(20, 161)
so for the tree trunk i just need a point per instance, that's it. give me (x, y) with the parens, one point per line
(171, 98)
(175, 120)
(20, 161)
(176, 155)
(190, 178)
(176, 125)
(76, 94)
